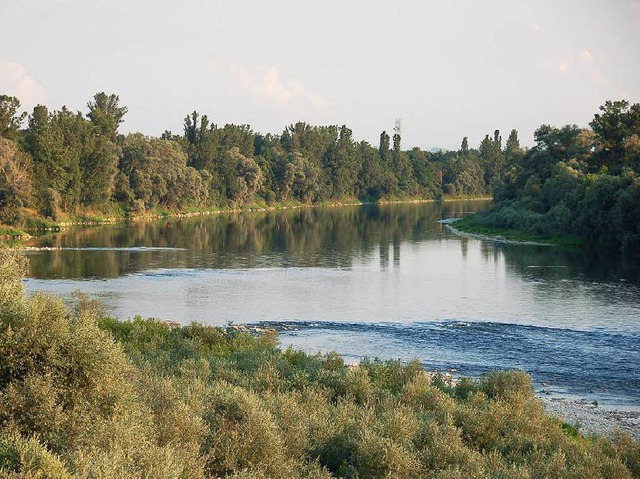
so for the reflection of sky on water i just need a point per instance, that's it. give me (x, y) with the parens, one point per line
(431, 281)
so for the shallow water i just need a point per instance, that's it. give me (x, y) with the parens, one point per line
(385, 281)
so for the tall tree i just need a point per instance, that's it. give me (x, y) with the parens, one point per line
(512, 151)
(615, 128)
(491, 158)
(384, 146)
(106, 113)
(464, 147)
(343, 164)
(396, 143)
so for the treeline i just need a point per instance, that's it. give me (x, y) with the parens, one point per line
(83, 395)
(64, 164)
(576, 181)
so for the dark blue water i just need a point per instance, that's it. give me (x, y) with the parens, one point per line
(595, 364)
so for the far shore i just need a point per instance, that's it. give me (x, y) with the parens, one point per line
(22, 235)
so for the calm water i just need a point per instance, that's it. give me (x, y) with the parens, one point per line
(385, 281)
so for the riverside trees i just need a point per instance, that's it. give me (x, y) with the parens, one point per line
(576, 181)
(77, 164)
(64, 164)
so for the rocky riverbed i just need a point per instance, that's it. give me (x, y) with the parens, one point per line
(591, 418)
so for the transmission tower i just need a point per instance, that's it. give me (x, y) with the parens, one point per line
(397, 129)
(397, 134)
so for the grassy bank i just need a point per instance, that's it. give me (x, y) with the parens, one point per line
(84, 395)
(481, 224)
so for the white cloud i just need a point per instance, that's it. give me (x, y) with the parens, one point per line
(267, 83)
(15, 81)
(535, 27)
(316, 100)
(586, 56)
(565, 66)
(584, 64)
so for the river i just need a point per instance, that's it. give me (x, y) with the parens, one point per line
(383, 281)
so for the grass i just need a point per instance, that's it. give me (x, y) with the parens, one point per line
(11, 232)
(473, 225)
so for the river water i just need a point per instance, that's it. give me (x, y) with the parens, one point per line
(378, 281)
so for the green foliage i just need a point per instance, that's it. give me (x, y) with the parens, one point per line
(617, 128)
(575, 183)
(66, 165)
(106, 114)
(81, 166)
(155, 173)
(15, 182)
(10, 120)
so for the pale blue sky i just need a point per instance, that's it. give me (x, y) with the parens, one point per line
(448, 68)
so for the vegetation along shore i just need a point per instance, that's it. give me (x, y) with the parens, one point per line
(575, 187)
(66, 167)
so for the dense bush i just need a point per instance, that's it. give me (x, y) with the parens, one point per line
(576, 182)
(600, 209)
(83, 395)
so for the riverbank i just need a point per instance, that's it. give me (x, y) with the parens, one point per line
(17, 237)
(477, 225)
(469, 226)
(589, 418)
(496, 238)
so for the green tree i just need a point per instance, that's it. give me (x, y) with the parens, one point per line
(76, 133)
(106, 113)
(383, 149)
(45, 143)
(491, 159)
(297, 176)
(15, 182)
(155, 172)
(396, 144)
(614, 128)
(99, 168)
(10, 119)
(245, 178)
(370, 178)
(512, 150)
(343, 164)
(426, 173)
(464, 147)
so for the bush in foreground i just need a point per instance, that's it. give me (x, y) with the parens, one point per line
(83, 395)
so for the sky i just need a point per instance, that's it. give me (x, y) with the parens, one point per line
(448, 69)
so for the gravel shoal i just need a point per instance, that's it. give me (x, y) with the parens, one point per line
(593, 419)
